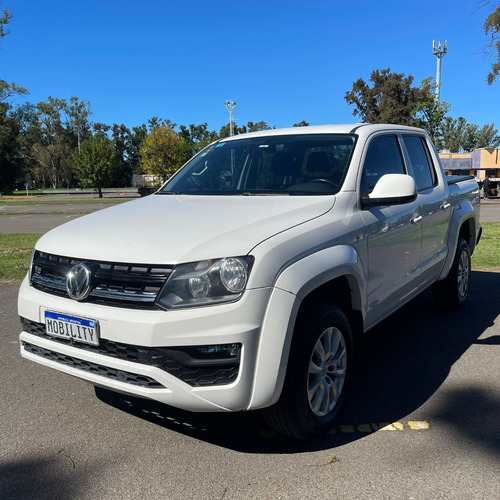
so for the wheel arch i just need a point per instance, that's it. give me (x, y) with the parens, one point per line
(462, 226)
(468, 233)
(343, 291)
(334, 274)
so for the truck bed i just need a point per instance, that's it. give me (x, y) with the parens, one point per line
(453, 179)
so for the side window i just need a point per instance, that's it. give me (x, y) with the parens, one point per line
(383, 157)
(425, 175)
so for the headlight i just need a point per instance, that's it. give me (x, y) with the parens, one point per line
(206, 282)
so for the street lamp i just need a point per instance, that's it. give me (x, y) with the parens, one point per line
(230, 105)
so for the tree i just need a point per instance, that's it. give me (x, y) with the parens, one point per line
(488, 137)
(49, 133)
(303, 123)
(134, 142)
(197, 137)
(459, 136)
(249, 127)
(453, 130)
(77, 114)
(10, 165)
(156, 122)
(11, 171)
(94, 163)
(53, 150)
(492, 27)
(29, 133)
(8, 89)
(4, 20)
(225, 130)
(257, 127)
(163, 152)
(430, 113)
(393, 99)
(99, 128)
(390, 99)
(123, 171)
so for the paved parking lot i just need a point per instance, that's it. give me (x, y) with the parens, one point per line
(422, 422)
(36, 217)
(39, 215)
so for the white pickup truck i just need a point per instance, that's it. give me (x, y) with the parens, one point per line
(247, 280)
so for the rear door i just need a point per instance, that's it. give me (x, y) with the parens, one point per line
(434, 205)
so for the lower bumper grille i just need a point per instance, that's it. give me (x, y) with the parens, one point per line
(181, 362)
(87, 366)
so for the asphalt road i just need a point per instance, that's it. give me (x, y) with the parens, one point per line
(32, 216)
(433, 375)
(35, 217)
(422, 421)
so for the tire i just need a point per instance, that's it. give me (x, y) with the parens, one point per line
(452, 292)
(317, 374)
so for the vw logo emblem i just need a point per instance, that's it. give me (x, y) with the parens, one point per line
(78, 281)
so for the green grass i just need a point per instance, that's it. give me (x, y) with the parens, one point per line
(21, 193)
(65, 202)
(15, 255)
(53, 212)
(15, 252)
(487, 254)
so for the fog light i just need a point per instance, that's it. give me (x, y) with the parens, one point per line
(220, 351)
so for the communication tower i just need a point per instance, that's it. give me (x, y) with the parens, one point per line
(439, 51)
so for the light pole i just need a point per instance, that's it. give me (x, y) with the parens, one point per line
(230, 105)
(439, 51)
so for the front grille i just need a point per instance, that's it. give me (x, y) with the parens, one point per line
(181, 362)
(87, 366)
(116, 284)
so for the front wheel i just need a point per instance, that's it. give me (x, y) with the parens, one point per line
(317, 374)
(452, 292)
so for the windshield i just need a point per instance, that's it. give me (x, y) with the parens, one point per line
(306, 164)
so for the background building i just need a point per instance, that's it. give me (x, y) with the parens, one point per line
(480, 163)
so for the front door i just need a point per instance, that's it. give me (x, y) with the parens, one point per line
(393, 233)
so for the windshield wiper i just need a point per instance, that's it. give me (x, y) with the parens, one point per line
(265, 193)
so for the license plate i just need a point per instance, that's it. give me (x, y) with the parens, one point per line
(71, 328)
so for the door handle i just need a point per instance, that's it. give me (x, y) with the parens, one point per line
(416, 220)
(446, 206)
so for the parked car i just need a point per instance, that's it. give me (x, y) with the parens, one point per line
(251, 275)
(146, 191)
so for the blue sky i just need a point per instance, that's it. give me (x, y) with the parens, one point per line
(281, 61)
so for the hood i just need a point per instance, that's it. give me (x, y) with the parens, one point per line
(169, 229)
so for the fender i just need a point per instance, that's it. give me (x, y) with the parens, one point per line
(462, 214)
(307, 274)
(294, 284)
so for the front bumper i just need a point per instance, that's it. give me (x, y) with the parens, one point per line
(133, 341)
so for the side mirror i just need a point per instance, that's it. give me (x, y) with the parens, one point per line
(392, 189)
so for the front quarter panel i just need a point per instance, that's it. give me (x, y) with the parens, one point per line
(290, 288)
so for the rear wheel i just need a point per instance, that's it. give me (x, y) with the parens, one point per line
(452, 292)
(317, 374)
